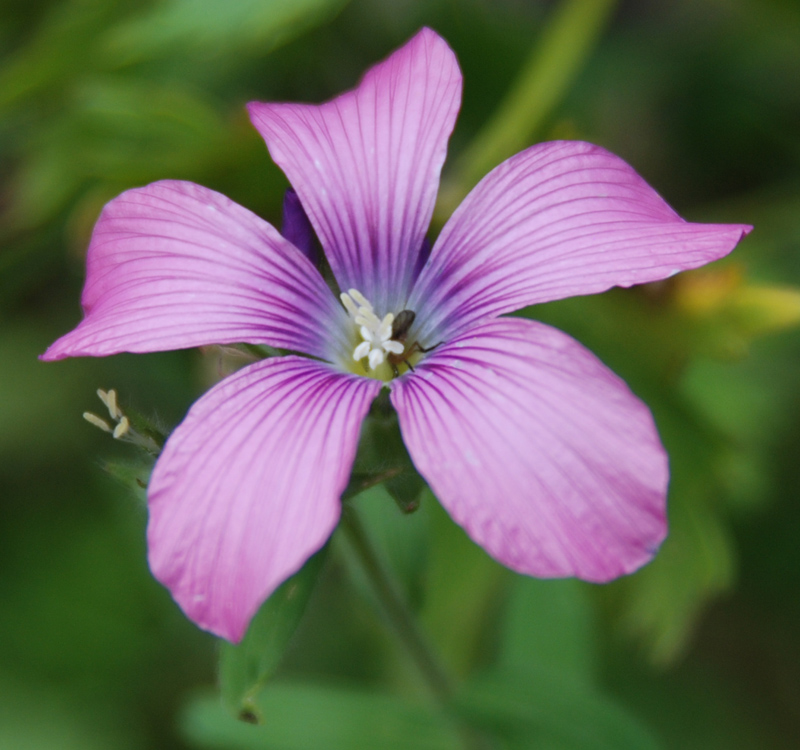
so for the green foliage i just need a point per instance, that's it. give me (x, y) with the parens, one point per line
(461, 584)
(244, 668)
(68, 726)
(118, 130)
(37, 422)
(549, 712)
(310, 717)
(133, 474)
(104, 96)
(549, 627)
(203, 27)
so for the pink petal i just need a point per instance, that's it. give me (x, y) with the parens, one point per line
(366, 165)
(538, 450)
(248, 486)
(175, 265)
(557, 220)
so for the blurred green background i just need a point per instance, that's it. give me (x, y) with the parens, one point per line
(701, 649)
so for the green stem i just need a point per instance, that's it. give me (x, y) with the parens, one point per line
(403, 622)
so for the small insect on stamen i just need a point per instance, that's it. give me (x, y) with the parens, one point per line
(400, 328)
(401, 324)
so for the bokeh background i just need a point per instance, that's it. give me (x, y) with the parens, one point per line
(701, 649)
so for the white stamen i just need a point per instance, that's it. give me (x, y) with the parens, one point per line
(395, 347)
(362, 350)
(376, 333)
(376, 358)
(122, 428)
(360, 299)
(349, 305)
(109, 399)
(385, 330)
(96, 421)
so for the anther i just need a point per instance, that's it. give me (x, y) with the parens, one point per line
(96, 421)
(360, 299)
(109, 399)
(377, 334)
(122, 428)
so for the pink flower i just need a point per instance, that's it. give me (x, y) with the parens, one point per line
(539, 451)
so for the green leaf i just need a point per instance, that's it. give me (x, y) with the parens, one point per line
(216, 25)
(549, 712)
(548, 626)
(245, 668)
(119, 131)
(307, 717)
(133, 473)
(462, 584)
(694, 565)
(62, 48)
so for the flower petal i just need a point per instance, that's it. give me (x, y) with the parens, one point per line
(366, 165)
(538, 450)
(248, 486)
(556, 220)
(174, 265)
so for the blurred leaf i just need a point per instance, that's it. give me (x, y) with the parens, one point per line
(134, 474)
(213, 26)
(695, 564)
(25, 261)
(245, 668)
(401, 539)
(548, 627)
(727, 312)
(557, 57)
(462, 582)
(548, 712)
(81, 605)
(86, 36)
(38, 718)
(306, 717)
(62, 48)
(117, 130)
(740, 399)
(42, 419)
(765, 309)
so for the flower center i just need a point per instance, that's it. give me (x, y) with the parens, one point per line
(377, 342)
